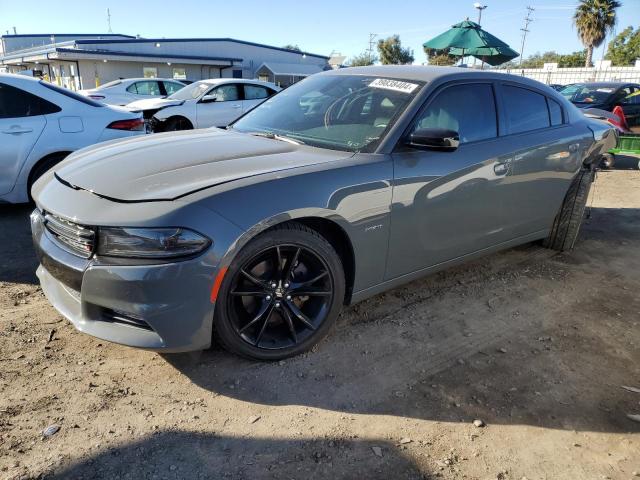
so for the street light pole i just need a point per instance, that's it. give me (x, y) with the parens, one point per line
(480, 8)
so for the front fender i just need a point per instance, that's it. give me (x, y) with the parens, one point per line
(356, 197)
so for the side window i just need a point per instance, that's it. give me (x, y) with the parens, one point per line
(467, 109)
(255, 92)
(555, 112)
(526, 110)
(632, 98)
(172, 87)
(226, 93)
(144, 88)
(16, 103)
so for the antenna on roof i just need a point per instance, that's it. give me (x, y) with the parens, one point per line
(15, 32)
(109, 20)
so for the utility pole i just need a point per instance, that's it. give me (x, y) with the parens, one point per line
(372, 39)
(525, 30)
(109, 21)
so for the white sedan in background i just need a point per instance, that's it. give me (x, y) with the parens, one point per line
(41, 123)
(207, 103)
(122, 92)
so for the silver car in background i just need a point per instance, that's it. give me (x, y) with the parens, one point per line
(342, 186)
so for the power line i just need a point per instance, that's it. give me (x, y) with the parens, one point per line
(525, 30)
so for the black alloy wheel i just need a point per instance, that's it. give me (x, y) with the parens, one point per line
(282, 296)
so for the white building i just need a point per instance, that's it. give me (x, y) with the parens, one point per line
(80, 61)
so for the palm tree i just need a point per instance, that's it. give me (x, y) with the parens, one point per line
(594, 19)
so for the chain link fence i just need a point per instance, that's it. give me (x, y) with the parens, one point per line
(565, 76)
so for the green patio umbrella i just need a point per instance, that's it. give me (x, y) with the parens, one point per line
(467, 38)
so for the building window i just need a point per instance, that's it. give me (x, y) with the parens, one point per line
(263, 78)
(237, 73)
(150, 72)
(180, 73)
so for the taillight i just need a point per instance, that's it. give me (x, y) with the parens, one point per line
(136, 124)
(96, 97)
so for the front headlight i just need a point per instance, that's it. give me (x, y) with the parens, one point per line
(149, 242)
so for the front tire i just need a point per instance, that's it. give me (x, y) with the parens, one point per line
(281, 294)
(566, 226)
(175, 124)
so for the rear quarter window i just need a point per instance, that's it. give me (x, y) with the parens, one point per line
(18, 103)
(525, 109)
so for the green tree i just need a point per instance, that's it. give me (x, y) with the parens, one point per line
(624, 49)
(363, 59)
(439, 57)
(291, 46)
(537, 60)
(392, 53)
(594, 19)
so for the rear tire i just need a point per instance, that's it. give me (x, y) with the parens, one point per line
(275, 303)
(566, 225)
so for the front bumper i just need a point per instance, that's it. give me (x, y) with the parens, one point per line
(158, 307)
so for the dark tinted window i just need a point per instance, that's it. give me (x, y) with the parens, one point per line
(555, 112)
(526, 110)
(150, 87)
(467, 109)
(70, 94)
(16, 103)
(255, 92)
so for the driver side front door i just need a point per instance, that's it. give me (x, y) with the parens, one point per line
(221, 112)
(447, 204)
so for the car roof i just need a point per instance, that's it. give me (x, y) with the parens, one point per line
(429, 74)
(17, 76)
(220, 81)
(605, 84)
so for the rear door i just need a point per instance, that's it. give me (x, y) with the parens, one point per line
(630, 104)
(21, 124)
(547, 154)
(225, 109)
(449, 204)
(254, 95)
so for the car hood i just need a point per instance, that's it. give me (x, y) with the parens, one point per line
(168, 166)
(153, 103)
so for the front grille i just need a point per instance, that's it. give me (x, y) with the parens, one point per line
(78, 239)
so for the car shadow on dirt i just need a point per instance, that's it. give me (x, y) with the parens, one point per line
(18, 261)
(189, 455)
(521, 337)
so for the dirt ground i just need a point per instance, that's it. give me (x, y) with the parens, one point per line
(537, 345)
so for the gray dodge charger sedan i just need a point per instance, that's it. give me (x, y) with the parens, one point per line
(344, 185)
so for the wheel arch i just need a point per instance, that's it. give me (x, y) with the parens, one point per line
(60, 155)
(331, 227)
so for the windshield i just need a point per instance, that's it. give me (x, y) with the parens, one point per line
(339, 112)
(581, 93)
(190, 92)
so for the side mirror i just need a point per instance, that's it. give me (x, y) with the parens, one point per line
(209, 99)
(434, 139)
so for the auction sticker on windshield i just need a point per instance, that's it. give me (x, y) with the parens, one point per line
(397, 85)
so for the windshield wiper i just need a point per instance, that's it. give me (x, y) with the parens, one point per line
(275, 136)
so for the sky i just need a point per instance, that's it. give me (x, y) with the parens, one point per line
(316, 26)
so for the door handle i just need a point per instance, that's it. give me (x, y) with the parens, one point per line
(573, 148)
(17, 131)
(501, 168)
